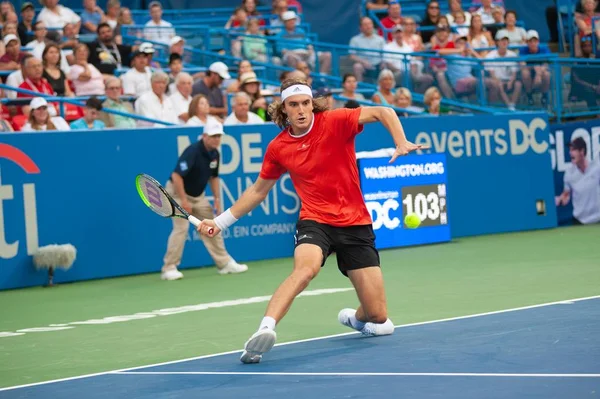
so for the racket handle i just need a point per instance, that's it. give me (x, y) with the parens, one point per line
(196, 222)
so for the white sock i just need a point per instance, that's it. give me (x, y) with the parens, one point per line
(356, 324)
(267, 322)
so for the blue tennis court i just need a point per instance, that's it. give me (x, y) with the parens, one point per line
(545, 351)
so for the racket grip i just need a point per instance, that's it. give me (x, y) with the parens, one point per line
(196, 222)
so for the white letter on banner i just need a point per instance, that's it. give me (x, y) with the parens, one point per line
(455, 144)
(249, 152)
(595, 150)
(183, 142)
(289, 193)
(515, 126)
(439, 144)
(228, 168)
(552, 152)
(472, 140)
(423, 139)
(7, 251)
(501, 144)
(541, 146)
(487, 136)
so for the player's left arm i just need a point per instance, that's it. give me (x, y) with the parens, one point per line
(388, 118)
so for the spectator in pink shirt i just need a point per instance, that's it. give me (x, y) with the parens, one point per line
(87, 79)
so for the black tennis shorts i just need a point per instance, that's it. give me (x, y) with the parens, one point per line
(354, 245)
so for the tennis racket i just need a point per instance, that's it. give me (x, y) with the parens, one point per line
(156, 198)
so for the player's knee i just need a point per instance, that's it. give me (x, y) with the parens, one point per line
(304, 275)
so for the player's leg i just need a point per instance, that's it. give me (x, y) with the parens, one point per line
(202, 209)
(359, 260)
(312, 247)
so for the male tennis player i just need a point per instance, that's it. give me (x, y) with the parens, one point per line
(317, 149)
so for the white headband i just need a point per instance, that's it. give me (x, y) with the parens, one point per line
(296, 89)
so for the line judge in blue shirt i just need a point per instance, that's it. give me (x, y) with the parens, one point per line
(91, 113)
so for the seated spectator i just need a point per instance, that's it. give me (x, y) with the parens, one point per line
(486, 12)
(241, 114)
(9, 28)
(87, 80)
(410, 35)
(149, 50)
(51, 59)
(114, 102)
(439, 66)
(403, 65)
(443, 21)
(125, 18)
(91, 116)
(430, 20)
(433, 100)
(456, 8)
(210, 86)
(303, 51)
(37, 45)
(460, 25)
(505, 72)
(175, 68)
(251, 86)
(198, 111)
(105, 54)
(182, 96)
(157, 29)
(15, 79)
(33, 71)
(460, 72)
(385, 93)
(91, 17)
(40, 119)
(349, 84)
(56, 16)
(585, 79)
(113, 9)
(13, 56)
(535, 74)
(498, 15)
(403, 99)
(394, 18)
(177, 46)
(136, 81)
(233, 85)
(68, 41)
(479, 37)
(279, 7)
(583, 20)
(366, 62)
(5, 125)
(238, 19)
(155, 104)
(254, 48)
(26, 24)
(252, 12)
(515, 34)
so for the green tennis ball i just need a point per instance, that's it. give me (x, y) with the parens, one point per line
(412, 221)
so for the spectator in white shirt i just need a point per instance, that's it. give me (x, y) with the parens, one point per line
(198, 111)
(57, 16)
(136, 81)
(182, 97)
(505, 72)
(157, 29)
(40, 119)
(241, 114)
(155, 104)
(485, 11)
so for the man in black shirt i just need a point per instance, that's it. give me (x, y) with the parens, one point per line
(26, 24)
(105, 54)
(197, 166)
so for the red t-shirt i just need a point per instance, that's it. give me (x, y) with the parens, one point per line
(322, 165)
(389, 24)
(440, 62)
(41, 87)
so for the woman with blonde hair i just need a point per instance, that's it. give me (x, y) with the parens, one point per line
(432, 99)
(198, 111)
(403, 99)
(386, 83)
(40, 119)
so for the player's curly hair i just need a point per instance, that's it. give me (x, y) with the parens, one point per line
(279, 117)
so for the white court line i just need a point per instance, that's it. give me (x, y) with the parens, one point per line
(564, 301)
(266, 373)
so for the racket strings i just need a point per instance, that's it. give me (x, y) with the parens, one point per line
(154, 197)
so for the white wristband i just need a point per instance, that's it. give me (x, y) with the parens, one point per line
(225, 220)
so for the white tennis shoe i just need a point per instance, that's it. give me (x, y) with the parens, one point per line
(259, 343)
(345, 315)
(171, 274)
(369, 329)
(233, 268)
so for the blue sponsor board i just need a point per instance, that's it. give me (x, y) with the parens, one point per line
(413, 184)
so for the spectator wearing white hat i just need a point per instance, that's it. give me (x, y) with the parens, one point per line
(210, 86)
(136, 81)
(40, 119)
(155, 104)
(13, 56)
(157, 29)
(535, 74)
(241, 114)
(182, 96)
(149, 50)
(176, 45)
